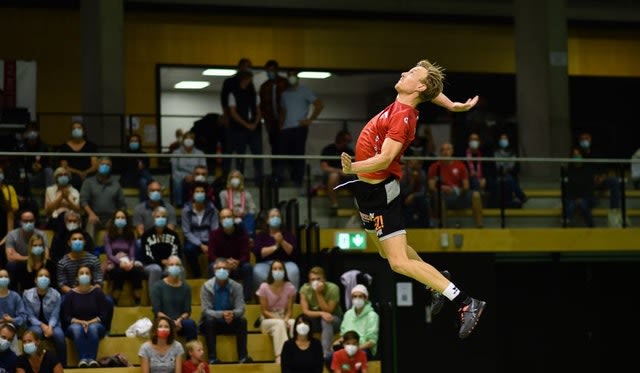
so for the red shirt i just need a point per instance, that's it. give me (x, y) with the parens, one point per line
(346, 364)
(453, 173)
(397, 122)
(189, 367)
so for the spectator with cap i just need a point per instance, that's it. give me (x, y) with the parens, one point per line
(363, 319)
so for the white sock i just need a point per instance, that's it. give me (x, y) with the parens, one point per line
(451, 291)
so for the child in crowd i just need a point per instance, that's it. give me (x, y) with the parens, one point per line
(195, 363)
(350, 359)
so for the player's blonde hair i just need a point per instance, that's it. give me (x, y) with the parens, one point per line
(434, 80)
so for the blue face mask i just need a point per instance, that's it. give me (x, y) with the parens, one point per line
(104, 169)
(43, 282)
(271, 75)
(37, 250)
(84, 279)
(585, 144)
(277, 274)
(29, 348)
(503, 143)
(77, 133)
(77, 245)
(28, 226)
(155, 196)
(222, 274)
(199, 197)
(134, 145)
(4, 344)
(227, 223)
(4, 282)
(160, 221)
(120, 223)
(63, 180)
(275, 222)
(174, 270)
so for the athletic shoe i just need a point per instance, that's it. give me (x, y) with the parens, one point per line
(469, 315)
(83, 363)
(437, 299)
(93, 364)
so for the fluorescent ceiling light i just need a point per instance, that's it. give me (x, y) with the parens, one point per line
(191, 84)
(218, 72)
(314, 74)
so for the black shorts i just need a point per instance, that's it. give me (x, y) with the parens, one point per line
(379, 205)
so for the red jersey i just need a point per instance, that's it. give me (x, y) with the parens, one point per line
(397, 122)
(189, 367)
(453, 173)
(348, 364)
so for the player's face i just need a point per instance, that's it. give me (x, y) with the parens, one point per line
(412, 80)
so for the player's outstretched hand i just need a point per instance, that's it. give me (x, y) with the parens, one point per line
(459, 106)
(346, 163)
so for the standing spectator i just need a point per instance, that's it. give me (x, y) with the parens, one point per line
(276, 296)
(294, 127)
(9, 205)
(37, 167)
(69, 265)
(272, 243)
(86, 314)
(143, 212)
(182, 167)
(579, 189)
(270, 105)
(8, 357)
(332, 174)
(59, 198)
(134, 170)
(80, 166)
(302, 353)
(36, 357)
(230, 241)
(121, 264)
(38, 258)
(209, 136)
(240, 201)
(158, 243)
(100, 196)
(17, 249)
(11, 305)
(42, 306)
(162, 353)
(223, 312)
(414, 195)
(244, 125)
(363, 319)
(171, 298)
(229, 85)
(512, 194)
(320, 301)
(199, 217)
(351, 358)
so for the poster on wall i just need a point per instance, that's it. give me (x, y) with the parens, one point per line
(18, 86)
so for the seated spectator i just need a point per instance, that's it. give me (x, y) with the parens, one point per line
(363, 319)
(134, 170)
(11, 305)
(302, 353)
(351, 358)
(320, 301)
(37, 259)
(223, 312)
(195, 362)
(36, 355)
(17, 250)
(199, 217)
(37, 167)
(121, 264)
(201, 175)
(9, 206)
(100, 196)
(182, 167)
(272, 243)
(423, 145)
(276, 296)
(158, 243)
(8, 357)
(171, 298)
(513, 196)
(42, 305)
(332, 174)
(230, 241)
(449, 181)
(477, 180)
(414, 195)
(579, 190)
(162, 352)
(82, 165)
(60, 198)
(60, 242)
(143, 212)
(85, 315)
(240, 201)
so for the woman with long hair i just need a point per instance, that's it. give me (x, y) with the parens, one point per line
(36, 358)
(303, 352)
(162, 353)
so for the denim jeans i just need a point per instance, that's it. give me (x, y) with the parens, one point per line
(86, 343)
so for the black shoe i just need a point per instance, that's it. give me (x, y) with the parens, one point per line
(469, 315)
(246, 360)
(437, 299)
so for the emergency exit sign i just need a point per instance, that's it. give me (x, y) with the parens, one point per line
(351, 240)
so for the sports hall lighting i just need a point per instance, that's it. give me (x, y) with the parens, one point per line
(218, 72)
(314, 74)
(191, 84)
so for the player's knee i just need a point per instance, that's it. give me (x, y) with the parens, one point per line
(398, 265)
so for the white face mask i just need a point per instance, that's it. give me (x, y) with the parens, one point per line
(473, 144)
(351, 349)
(358, 302)
(315, 284)
(235, 182)
(302, 329)
(200, 178)
(72, 226)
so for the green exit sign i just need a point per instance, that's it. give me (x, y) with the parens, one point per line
(351, 240)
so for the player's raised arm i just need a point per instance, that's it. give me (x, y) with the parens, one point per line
(445, 102)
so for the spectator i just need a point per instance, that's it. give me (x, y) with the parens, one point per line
(37, 167)
(162, 352)
(60, 243)
(86, 312)
(38, 258)
(8, 357)
(134, 170)
(230, 241)
(414, 195)
(11, 305)
(512, 193)
(303, 352)
(270, 105)
(351, 358)
(223, 312)
(201, 175)
(17, 178)
(244, 125)
(294, 125)
(579, 189)
(171, 298)
(199, 218)
(363, 319)
(230, 85)
(36, 355)
(196, 362)
(182, 167)
(276, 296)
(635, 169)
(9, 205)
(60, 198)
(423, 145)
(178, 141)
(158, 243)
(477, 180)
(210, 138)
(42, 306)
(69, 265)
(240, 201)
(100, 196)
(17, 250)
(121, 264)
(272, 243)
(449, 181)
(82, 165)
(320, 301)
(332, 174)
(143, 212)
